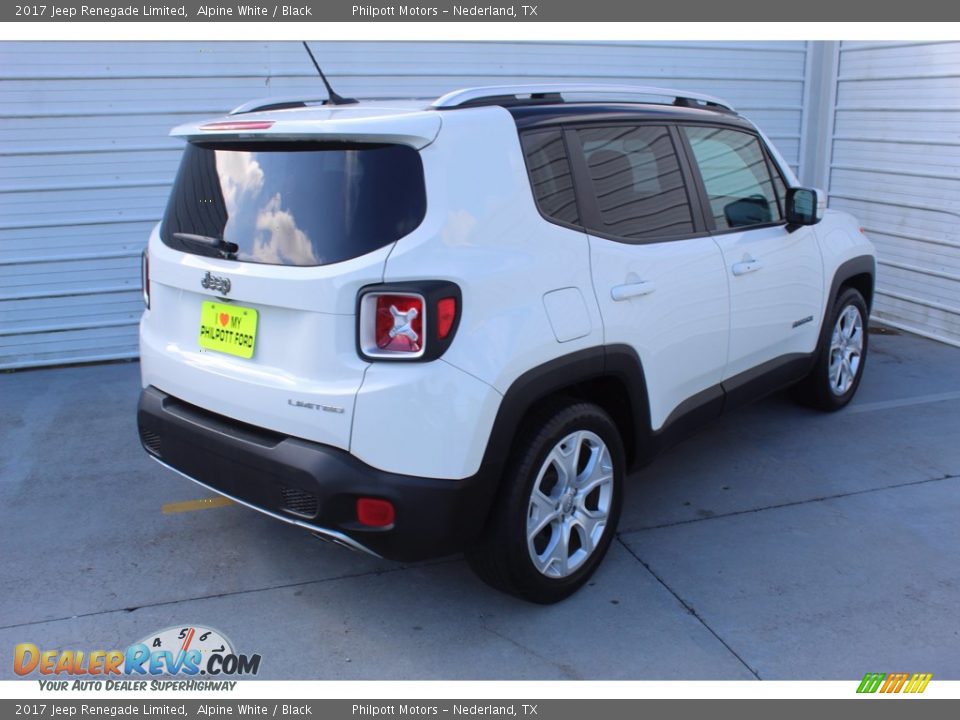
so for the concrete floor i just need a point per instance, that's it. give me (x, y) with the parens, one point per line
(780, 543)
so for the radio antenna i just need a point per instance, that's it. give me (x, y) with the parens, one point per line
(333, 98)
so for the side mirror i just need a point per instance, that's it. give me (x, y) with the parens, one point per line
(805, 206)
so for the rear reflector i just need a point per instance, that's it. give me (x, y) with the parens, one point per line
(374, 512)
(239, 125)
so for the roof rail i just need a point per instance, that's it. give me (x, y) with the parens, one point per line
(518, 94)
(508, 94)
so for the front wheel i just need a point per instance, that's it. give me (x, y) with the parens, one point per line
(558, 507)
(835, 378)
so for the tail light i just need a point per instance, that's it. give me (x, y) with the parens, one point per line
(446, 315)
(398, 326)
(145, 277)
(392, 325)
(407, 321)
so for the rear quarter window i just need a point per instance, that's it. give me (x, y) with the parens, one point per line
(295, 203)
(550, 177)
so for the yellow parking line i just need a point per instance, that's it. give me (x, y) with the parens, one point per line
(191, 505)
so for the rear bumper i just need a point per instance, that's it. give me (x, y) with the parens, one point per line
(312, 485)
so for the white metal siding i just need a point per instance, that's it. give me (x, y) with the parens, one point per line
(896, 166)
(86, 161)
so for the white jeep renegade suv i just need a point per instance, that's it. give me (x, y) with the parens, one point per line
(419, 327)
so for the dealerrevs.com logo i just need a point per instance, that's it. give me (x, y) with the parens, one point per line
(185, 651)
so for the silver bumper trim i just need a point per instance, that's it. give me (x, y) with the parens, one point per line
(333, 536)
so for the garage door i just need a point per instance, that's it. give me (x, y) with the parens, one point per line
(896, 165)
(87, 163)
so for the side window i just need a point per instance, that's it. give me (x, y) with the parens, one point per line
(736, 176)
(550, 175)
(637, 181)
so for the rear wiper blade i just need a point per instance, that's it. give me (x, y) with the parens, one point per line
(224, 247)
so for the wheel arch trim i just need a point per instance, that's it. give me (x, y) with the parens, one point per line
(619, 362)
(847, 270)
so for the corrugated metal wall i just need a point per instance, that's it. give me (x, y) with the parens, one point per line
(86, 162)
(896, 166)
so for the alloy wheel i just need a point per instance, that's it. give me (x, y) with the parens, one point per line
(570, 504)
(846, 350)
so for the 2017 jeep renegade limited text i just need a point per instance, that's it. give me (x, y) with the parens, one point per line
(419, 327)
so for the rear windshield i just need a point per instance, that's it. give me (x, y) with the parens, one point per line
(294, 203)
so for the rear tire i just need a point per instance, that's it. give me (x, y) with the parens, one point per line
(558, 506)
(843, 350)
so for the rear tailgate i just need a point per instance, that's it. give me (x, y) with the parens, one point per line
(295, 249)
(304, 371)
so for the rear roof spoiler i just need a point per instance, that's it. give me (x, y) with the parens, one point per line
(324, 124)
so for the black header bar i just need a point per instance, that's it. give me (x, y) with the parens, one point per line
(579, 11)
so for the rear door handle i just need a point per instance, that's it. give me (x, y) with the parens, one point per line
(747, 266)
(631, 290)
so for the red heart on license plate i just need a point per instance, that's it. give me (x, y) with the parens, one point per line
(224, 319)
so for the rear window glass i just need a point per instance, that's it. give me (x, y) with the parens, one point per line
(294, 203)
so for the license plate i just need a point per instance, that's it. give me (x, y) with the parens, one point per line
(230, 329)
